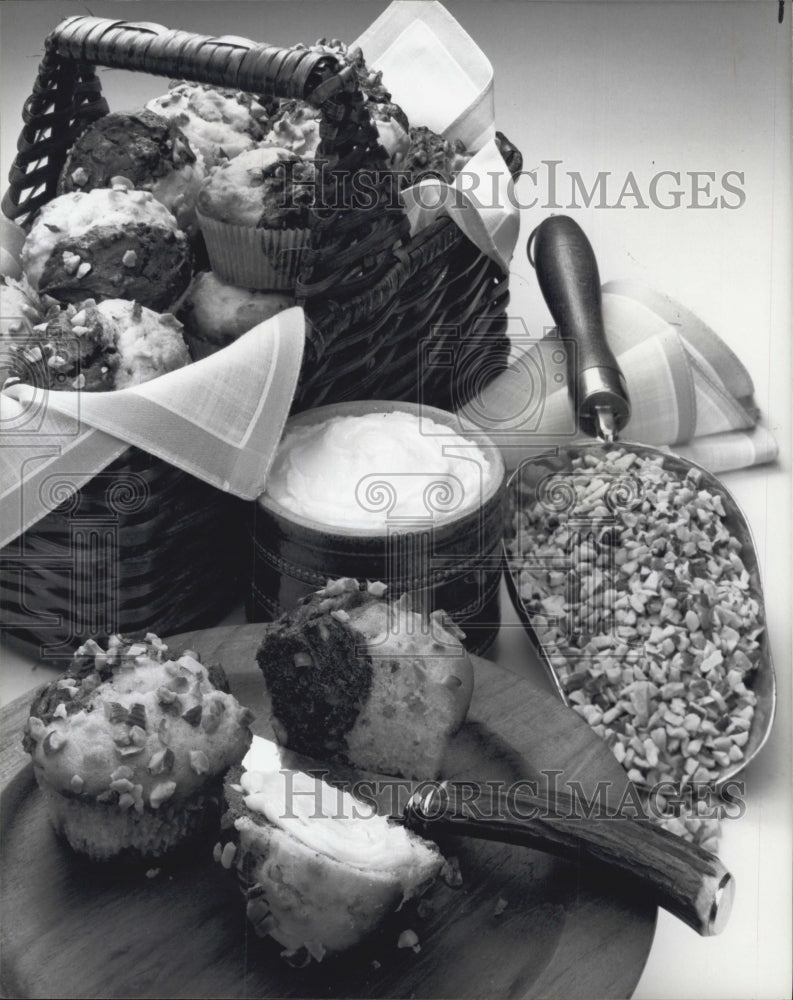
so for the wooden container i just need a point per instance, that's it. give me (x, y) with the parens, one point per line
(444, 561)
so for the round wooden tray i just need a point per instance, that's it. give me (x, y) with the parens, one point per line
(523, 924)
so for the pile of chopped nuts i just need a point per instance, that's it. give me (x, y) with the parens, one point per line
(635, 586)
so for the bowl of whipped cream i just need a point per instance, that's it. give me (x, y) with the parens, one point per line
(388, 492)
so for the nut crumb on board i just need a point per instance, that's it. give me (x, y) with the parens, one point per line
(451, 874)
(409, 939)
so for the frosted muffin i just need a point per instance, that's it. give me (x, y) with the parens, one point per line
(219, 123)
(108, 243)
(319, 870)
(254, 215)
(101, 346)
(354, 677)
(215, 313)
(146, 149)
(130, 748)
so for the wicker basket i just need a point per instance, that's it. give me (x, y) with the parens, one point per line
(386, 313)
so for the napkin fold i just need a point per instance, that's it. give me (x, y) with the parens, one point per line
(441, 78)
(689, 392)
(219, 419)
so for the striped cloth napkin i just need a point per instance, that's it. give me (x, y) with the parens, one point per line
(689, 392)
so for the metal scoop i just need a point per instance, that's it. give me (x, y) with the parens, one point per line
(568, 276)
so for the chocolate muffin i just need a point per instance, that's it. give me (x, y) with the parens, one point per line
(98, 347)
(146, 149)
(108, 243)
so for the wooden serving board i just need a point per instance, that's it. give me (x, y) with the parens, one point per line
(523, 924)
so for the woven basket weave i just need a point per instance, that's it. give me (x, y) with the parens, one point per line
(386, 312)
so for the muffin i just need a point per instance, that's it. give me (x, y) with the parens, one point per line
(148, 150)
(254, 215)
(101, 346)
(319, 869)
(219, 123)
(296, 127)
(357, 678)
(108, 243)
(430, 155)
(215, 313)
(22, 309)
(130, 748)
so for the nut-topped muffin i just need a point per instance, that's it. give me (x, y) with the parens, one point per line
(148, 150)
(113, 344)
(131, 745)
(108, 243)
(219, 123)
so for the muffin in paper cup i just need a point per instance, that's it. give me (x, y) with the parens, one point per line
(263, 259)
(130, 747)
(254, 213)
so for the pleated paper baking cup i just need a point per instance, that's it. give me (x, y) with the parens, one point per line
(262, 259)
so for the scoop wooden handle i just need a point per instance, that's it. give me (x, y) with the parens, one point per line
(680, 877)
(568, 276)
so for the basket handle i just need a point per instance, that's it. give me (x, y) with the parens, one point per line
(225, 61)
(67, 94)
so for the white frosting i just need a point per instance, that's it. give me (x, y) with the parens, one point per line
(75, 214)
(326, 819)
(367, 471)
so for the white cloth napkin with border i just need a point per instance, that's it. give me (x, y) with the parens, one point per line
(441, 78)
(219, 419)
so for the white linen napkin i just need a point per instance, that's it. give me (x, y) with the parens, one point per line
(688, 390)
(219, 419)
(422, 50)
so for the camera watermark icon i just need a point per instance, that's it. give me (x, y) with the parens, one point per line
(23, 401)
(434, 538)
(467, 360)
